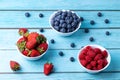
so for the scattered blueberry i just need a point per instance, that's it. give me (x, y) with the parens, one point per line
(81, 19)
(41, 15)
(91, 39)
(92, 22)
(107, 33)
(41, 30)
(72, 45)
(99, 14)
(27, 14)
(52, 41)
(61, 53)
(106, 21)
(86, 30)
(72, 59)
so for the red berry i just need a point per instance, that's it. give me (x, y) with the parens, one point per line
(93, 63)
(105, 62)
(34, 53)
(100, 61)
(89, 48)
(83, 62)
(104, 53)
(88, 58)
(94, 68)
(98, 56)
(89, 66)
(97, 50)
(81, 56)
(99, 67)
(91, 53)
(25, 52)
(84, 51)
(48, 67)
(31, 44)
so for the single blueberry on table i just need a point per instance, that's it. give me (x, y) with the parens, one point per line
(81, 19)
(86, 30)
(107, 33)
(91, 39)
(106, 21)
(41, 30)
(99, 14)
(63, 30)
(41, 15)
(72, 45)
(92, 22)
(61, 53)
(52, 41)
(27, 14)
(72, 59)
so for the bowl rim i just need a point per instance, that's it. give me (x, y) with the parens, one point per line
(34, 58)
(97, 46)
(51, 16)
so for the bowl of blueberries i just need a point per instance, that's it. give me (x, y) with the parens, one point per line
(65, 22)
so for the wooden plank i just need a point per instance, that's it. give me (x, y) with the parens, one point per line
(48, 4)
(61, 64)
(10, 37)
(17, 19)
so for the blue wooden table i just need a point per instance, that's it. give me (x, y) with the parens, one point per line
(12, 18)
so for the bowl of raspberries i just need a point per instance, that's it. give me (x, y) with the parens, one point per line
(65, 22)
(94, 58)
(32, 46)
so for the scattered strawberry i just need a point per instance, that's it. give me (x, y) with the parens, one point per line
(31, 44)
(42, 47)
(104, 53)
(14, 65)
(84, 62)
(23, 32)
(34, 53)
(48, 67)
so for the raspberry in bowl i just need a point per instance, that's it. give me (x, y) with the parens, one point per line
(65, 22)
(33, 46)
(94, 58)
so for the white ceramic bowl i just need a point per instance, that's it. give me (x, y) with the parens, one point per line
(34, 58)
(61, 33)
(95, 71)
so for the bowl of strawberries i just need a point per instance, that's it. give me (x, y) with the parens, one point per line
(94, 58)
(32, 46)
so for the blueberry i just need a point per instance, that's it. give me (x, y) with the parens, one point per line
(57, 23)
(78, 20)
(62, 21)
(72, 29)
(58, 13)
(56, 28)
(64, 25)
(67, 18)
(106, 21)
(52, 22)
(41, 30)
(86, 30)
(27, 14)
(74, 24)
(63, 30)
(92, 22)
(59, 17)
(91, 39)
(64, 13)
(72, 45)
(63, 17)
(99, 14)
(75, 16)
(52, 41)
(69, 30)
(41, 15)
(81, 19)
(69, 13)
(72, 59)
(69, 26)
(107, 33)
(61, 53)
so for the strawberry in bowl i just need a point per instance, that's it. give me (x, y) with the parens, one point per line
(33, 45)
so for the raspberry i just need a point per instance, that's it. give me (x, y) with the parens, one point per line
(97, 50)
(98, 56)
(84, 62)
(88, 47)
(89, 66)
(94, 68)
(105, 54)
(100, 62)
(105, 62)
(88, 58)
(84, 51)
(91, 53)
(81, 56)
(93, 63)
(99, 67)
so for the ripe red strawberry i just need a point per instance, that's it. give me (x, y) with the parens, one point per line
(21, 44)
(42, 47)
(81, 56)
(91, 53)
(98, 56)
(34, 53)
(97, 51)
(25, 52)
(14, 65)
(31, 44)
(84, 62)
(35, 36)
(93, 63)
(99, 67)
(23, 32)
(89, 66)
(88, 58)
(104, 53)
(48, 67)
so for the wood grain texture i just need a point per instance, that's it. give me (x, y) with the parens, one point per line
(17, 19)
(48, 4)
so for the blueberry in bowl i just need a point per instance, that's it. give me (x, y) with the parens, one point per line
(65, 22)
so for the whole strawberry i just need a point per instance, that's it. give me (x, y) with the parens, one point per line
(42, 47)
(34, 53)
(23, 32)
(31, 44)
(14, 65)
(48, 67)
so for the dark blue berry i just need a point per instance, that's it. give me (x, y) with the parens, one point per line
(52, 22)
(86, 30)
(63, 30)
(41, 15)
(41, 30)
(91, 39)
(52, 41)
(81, 19)
(64, 14)
(72, 45)
(72, 59)
(61, 53)
(27, 14)
(56, 28)
(106, 21)
(99, 14)
(92, 22)
(69, 26)
(62, 21)
(69, 30)
(69, 13)
(64, 25)
(57, 23)
(107, 33)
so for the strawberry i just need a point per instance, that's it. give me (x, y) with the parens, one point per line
(21, 43)
(48, 67)
(84, 62)
(14, 65)
(42, 47)
(93, 63)
(89, 66)
(104, 53)
(31, 44)
(34, 53)
(97, 50)
(88, 58)
(25, 52)
(23, 32)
